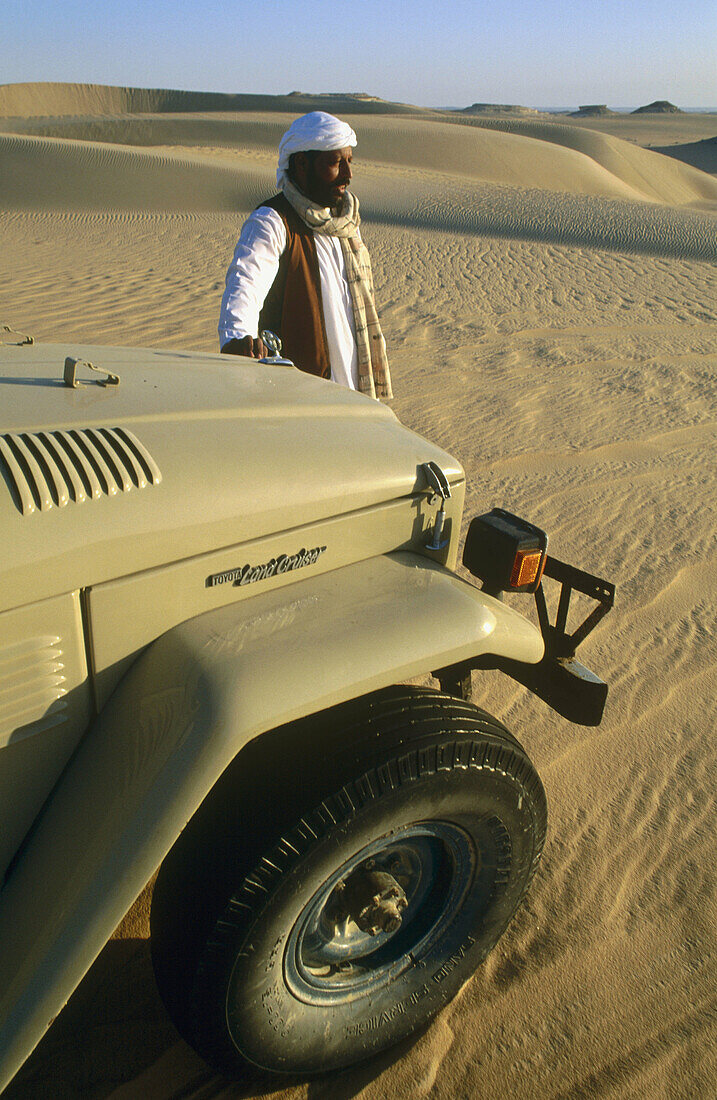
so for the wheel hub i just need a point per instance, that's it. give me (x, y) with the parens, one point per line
(373, 900)
(379, 913)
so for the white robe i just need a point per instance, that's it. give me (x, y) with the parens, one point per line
(252, 273)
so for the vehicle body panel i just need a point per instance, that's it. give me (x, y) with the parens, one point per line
(45, 706)
(241, 450)
(176, 720)
(125, 615)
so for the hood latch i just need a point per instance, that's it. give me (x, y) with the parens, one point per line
(438, 483)
(71, 379)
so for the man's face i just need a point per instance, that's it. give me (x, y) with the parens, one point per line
(325, 176)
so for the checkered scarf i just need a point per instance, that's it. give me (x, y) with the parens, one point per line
(374, 375)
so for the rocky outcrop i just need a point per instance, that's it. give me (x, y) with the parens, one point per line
(592, 110)
(499, 109)
(659, 107)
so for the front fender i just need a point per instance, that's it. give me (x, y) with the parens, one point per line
(180, 715)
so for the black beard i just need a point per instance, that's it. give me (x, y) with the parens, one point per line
(322, 193)
(339, 206)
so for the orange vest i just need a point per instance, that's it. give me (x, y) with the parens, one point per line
(293, 308)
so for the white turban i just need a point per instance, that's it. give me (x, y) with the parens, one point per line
(317, 130)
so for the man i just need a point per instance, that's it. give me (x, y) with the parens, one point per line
(301, 269)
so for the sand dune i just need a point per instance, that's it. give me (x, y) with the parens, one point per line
(635, 167)
(549, 298)
(700, 154)
(531, 214)
(47, 98)
(50, 173)
(651, 131)
(53, 173)
(518, 152)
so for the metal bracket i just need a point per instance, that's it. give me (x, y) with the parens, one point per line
(559, 679)
(71, 379)
(438, 483)
(455, 680)
(558, 643)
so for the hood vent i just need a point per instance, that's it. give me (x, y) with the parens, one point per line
(47, 470)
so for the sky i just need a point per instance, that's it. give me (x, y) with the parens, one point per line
(538, 53)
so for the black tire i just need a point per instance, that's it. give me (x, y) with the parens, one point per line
(251, 958)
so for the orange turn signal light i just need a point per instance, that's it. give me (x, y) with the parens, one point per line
(527, 568)
(505, 552)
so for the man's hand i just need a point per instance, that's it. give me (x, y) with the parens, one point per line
(253, 347)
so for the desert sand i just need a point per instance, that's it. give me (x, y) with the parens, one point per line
(548, 293)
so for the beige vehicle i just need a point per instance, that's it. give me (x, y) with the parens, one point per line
(217, 577)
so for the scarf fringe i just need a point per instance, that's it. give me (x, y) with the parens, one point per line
(373, 371)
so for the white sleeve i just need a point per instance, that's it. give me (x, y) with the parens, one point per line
(251, 273)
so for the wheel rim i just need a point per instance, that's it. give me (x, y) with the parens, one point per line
(331, 958)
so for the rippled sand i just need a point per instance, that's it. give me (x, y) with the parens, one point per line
(549, 298)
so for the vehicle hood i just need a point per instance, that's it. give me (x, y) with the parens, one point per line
(189, 452)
